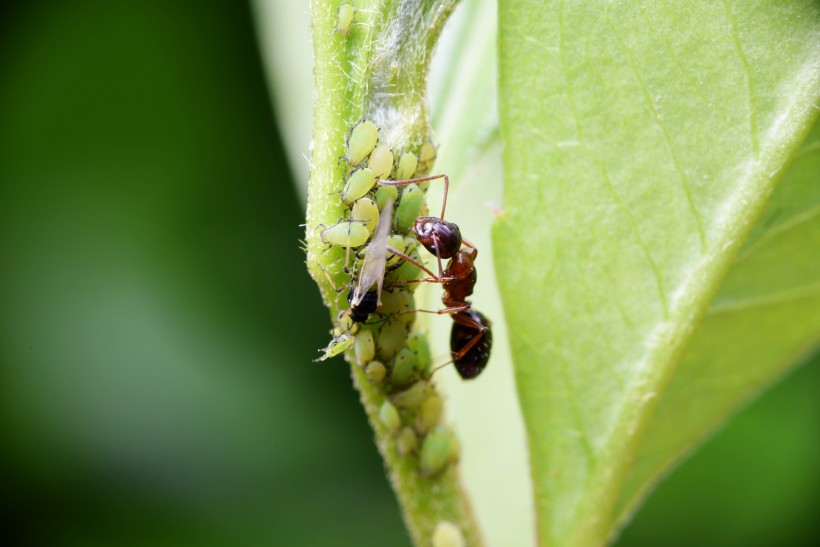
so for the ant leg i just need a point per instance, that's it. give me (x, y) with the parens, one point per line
(467, 243)
(452, 310)
(469, 322)
(415, 262)
(423, 179)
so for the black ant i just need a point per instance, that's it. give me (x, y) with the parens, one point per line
(471, 336)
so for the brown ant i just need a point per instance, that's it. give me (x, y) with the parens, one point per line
(471, 336)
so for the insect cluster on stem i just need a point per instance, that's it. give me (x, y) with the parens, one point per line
(387, 222)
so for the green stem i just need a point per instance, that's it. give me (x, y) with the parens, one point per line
(378, 72)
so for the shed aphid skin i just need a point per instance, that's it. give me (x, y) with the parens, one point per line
(372, 271)
(336, 346)
(344, 18)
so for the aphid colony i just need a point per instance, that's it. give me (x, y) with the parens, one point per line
(381, 238)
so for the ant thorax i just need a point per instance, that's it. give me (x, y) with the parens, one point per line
(462, 277)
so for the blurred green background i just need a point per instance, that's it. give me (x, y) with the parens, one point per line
(157, 325)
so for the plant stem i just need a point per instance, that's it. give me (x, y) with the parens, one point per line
(377, 71)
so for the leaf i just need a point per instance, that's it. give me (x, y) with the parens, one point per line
(633, 177)
(765, 317)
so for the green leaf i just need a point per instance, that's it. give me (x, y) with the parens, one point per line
(764, 319)
(633, 177)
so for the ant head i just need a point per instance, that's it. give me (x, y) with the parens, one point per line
(440, 237)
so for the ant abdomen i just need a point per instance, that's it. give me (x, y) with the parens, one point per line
(441, 238)
(470, 343)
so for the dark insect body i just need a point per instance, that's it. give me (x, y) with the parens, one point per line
(368, 304)
(470, 351)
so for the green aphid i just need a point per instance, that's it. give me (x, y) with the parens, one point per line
(407, 441)
(366, 211)
(381, 161)
(361, 141)
(455, 449)
(407, 166)
(346, 324)
(408, 271)
(364, 348)
(395, 241)
(417, 343)
(347, 233)
(336, 346)
(436, 451)
(375, 372)
(427, 153)
(412, 200)
(404, 368)
(391, 338)
(447, 534)
(429, 413)
(389, 416)
(344, 17)
(385, 193)
(413, 396)
(358, 185)
(396, 301)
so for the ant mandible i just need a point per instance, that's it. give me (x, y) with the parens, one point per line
(471, 335)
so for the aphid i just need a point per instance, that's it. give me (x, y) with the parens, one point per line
(366, 211)
(360, 182)
(364, 347)
(407, 166)
(346, 233)
(436, 451)
(344, 17)
(361, 141)
(389, 416)
(406, 441)
(381, 160)
(447, 534)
